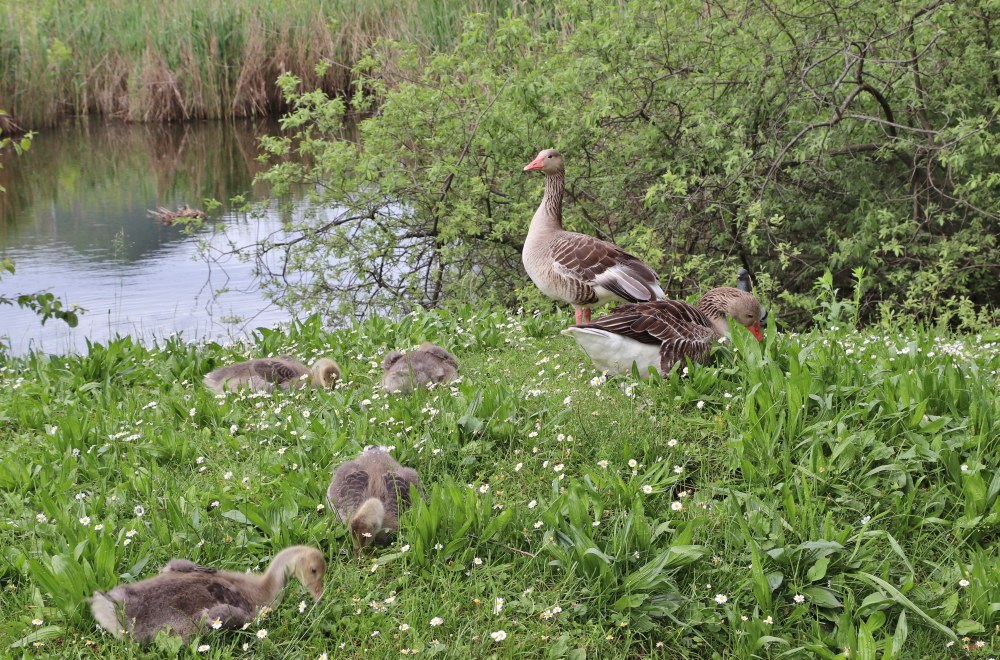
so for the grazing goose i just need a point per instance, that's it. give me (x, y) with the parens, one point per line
(368, 494)
(189, 598)
(580, 269)
(662, 333)
(428, 364)
(264, 374)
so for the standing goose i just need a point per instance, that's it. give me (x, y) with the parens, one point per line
(430, 363)
(662, 333)
(188, 598)
(582, 270)
(368, 494)
(264, 374)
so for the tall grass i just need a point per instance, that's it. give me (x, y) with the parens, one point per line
(196, 59)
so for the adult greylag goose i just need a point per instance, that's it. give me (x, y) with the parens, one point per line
(662, 333)
(189, 599)
(264, 374)
(368, 494)
(582, 270)
(430, 363)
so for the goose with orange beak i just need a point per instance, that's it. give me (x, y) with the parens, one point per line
(661, 333)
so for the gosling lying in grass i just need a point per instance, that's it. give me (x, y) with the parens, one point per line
(368, 494)
(430, 363)
(187, 599)
(264, 374)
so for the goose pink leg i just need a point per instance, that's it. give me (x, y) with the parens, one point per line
(579, 315)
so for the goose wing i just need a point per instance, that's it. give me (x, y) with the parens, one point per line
(348, 489)
(397, 487)
(655, 322)
(185, 566)
(599, 263)
(278, 370)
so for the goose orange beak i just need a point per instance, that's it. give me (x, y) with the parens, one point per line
(535, 164)
(755, 330)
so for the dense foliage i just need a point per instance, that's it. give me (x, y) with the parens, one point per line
(788, 138)
(818, 495)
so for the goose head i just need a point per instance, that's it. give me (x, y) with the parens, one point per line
(748, 311)
(548, 161)
(308, 566)
(366, 523)
(325, 373)
(726, 303)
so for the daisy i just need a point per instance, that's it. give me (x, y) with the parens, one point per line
(647, 489)
(437, 621)
(262, 633)
(721, 598)
(799, 598)
(498, 636)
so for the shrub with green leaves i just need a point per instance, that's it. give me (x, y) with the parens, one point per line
(789, 139)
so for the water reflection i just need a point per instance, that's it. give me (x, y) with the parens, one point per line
(74, 219)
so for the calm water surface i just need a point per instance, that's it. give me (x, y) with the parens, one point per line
(74, 219)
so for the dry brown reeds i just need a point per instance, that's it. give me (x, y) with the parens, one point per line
(198, 59)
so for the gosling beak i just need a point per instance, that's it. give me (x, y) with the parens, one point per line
(755, 330)
(535, 164)
(317, 592)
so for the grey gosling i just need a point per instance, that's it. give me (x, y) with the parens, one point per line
(429, 363)
(188, 599)
(368, 494)
(264, 374)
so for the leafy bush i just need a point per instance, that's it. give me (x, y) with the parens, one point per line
(702, 137)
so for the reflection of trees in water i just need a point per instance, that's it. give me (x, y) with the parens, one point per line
(83, 185)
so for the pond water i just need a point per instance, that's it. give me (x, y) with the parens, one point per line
(74, 218)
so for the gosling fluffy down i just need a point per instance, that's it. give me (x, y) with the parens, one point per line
(188, 599)
(265, 374)
(369, 492)
(429, 363)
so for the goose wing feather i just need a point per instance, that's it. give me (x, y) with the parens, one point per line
(348, 489)
(279, 370)
(656, 322)
(397, 487)
(599, 263)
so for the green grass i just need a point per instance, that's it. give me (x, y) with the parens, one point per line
(197, 59)
(857, 471)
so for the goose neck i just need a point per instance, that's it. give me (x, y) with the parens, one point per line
(549, 213)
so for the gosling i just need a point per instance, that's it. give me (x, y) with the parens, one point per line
(265, 374)
(187, 599)
(430, 363)
(369, 493)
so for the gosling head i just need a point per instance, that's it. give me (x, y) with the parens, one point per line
(366, 523)
(548, 161)
(325, 373)
(309, 568)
